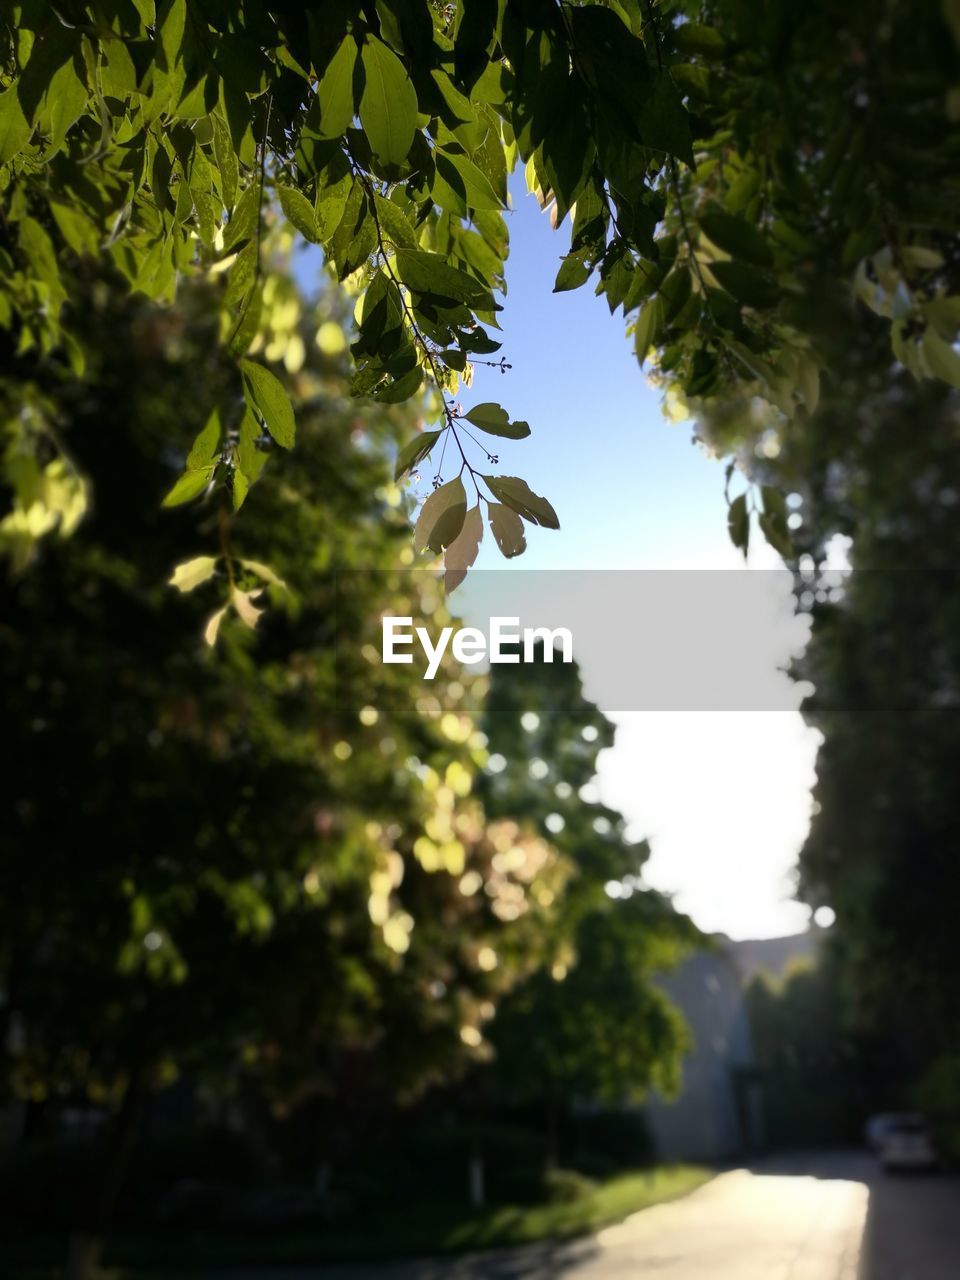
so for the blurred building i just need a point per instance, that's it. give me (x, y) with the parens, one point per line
(718, 1116)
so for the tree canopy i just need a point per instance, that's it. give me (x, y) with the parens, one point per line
(283, 873)
(188, 830)
(716, 163)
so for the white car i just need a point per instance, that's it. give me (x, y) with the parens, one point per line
(904, 1142)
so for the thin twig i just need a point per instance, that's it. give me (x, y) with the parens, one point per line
(411, 320)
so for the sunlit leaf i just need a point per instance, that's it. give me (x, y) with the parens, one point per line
(507, 528)
(441, 517)
(191, 573)
(517, 494)
(463, 551)
(494, 419)
(388, 105)
(265, 393)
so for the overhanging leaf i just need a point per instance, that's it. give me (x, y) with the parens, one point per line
(335, 91)
(204, 448)
(736, 236)
(265, 394)
(746, 283)
(738, 523)
(191, 573)
(430, 273)
(507, 528)
(414, 451)
(663, 120)
(298, 211)
(518, 495)
(495, 421)
(441, 517)
(648, 328)
(463, 551)
(190, 485)
(388, 104)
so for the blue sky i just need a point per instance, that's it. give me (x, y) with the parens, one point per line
(630, 489)
(723, 796)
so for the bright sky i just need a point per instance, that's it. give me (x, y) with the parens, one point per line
(723, 796)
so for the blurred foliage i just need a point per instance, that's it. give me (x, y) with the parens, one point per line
(875, 484)
(251, 870)
(811, 1068)
(259, 866)
(592, 1024)
(937, 1094)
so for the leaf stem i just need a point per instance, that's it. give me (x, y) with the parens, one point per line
(385, 262)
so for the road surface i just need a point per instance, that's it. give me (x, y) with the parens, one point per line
(832, 1218)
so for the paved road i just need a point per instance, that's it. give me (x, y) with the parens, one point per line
(833, 1218)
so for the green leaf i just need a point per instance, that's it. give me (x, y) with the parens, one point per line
(381, 318)
(396, 227)
(212, 629)
(335, 94)
(14, 126)
(264, 393)
(675, 292)
(247, 324)
(415, 451)
(573, 272)
(441, 517)
(663, 121)
(243, 221)
(478, 21)
(694, 37)
(463, 551)
(227, 162)
(265, 573)
(402, 389)
(777, 534)
(736, 236)
(738, 523)
(507, 528)
(648, 328)
(809, 383)
(192, 573)
(518, 495)
(459, 185)
(942, 358)
(430, 273)
(332, 197)
(240, 487)
(205, 446)
(298, 211)
(495, 421)
(773, 501)
(388, 104)
(249, 459)
(76, 228)
(190, 485)
(745, 283)
(773, 521)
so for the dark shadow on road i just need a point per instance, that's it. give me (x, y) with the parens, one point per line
(877, 1227)
(912, 1230)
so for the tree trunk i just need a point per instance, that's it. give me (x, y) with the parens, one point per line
(85, 1246)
